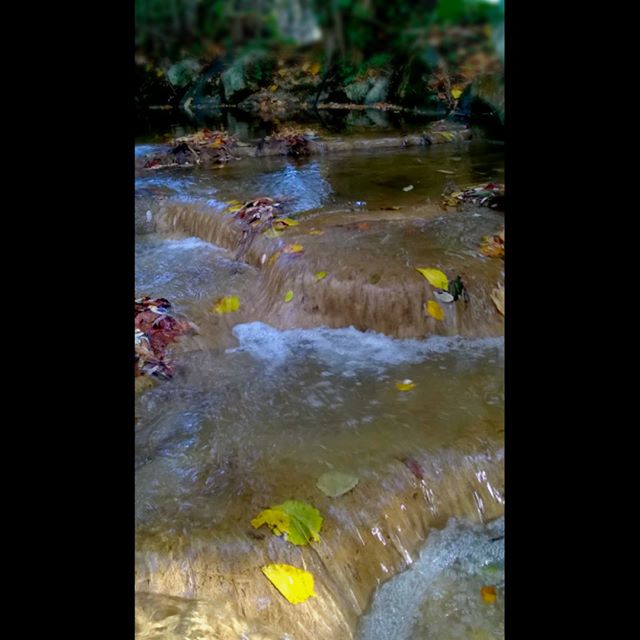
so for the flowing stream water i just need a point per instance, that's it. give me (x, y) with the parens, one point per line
(265, 401)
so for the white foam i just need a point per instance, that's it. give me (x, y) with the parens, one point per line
(458, 552)
(348, 350)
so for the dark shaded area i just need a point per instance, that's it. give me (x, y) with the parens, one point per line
(287, 60)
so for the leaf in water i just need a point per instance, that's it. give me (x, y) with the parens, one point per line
(273, 258)
(315, 232)
(434, 310)
(298, 521)
(497, 295)
(405, 385)
(488, 594)
(414, 466)
(275, 518)
(226, 304)
(296, 585)
(408, 188)
(272, 233)
(456, 92)
(293, 248)
(435, 277)
(283, 223)
(314, 69)
(335, 483)
(320, 275)
(288, 297)
(375, 278)
(449, 173)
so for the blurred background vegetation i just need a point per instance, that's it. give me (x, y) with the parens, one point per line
(282, 55)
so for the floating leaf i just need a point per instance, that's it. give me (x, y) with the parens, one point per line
(449, 173)
(272, 233)
(273, 258)
(296, 585)
(488, 594)
(226, 304)
(414, 466)
(298, 521)
(320, 275)
(435, 277)
(405, 385)
(497, 295)
(434, 310)
(283, 223)
(275, 518)
(293, 248)
(408, 188)
(288, 297)
(315, 232)
(456, 92)
(335, 483)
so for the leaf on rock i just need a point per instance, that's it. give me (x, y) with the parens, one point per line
(320, 275)
(336, 483)
(488, 594)
(226, 304)
(434, 310)
(435, 277)
(296, 585)
(456, 92)
(288, 297)
(299, 522)
(405, 385)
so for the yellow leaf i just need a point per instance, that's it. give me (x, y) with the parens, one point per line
(272, 233)
(296, 585)
(435, 278)
(288, 297)
(314, 69)
(405, 385)
(234, 208)
(273, 87)
(275, 518)
(320, 275)
(283, 223)
(456, 92)
(226, 304)
(298, 521)
(434, 310)
(273, 258)
(315, 232)
(293, 248)
(488, 594)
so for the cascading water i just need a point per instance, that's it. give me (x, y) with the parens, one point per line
(267, 399)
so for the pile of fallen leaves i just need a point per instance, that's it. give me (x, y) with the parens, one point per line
(254, 217)
(488, 195)
(155, 330)
(202, 147)
(493, 246)
(294, 142)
